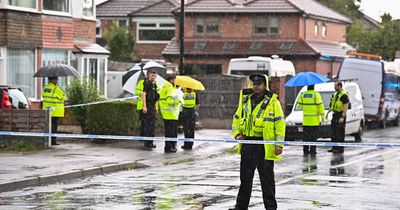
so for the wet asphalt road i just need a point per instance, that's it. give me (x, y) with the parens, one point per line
(361, 178)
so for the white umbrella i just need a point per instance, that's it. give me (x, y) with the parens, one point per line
(148, 65)
(130, 84)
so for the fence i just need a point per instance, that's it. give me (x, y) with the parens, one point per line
(219, 101)
(24, 121)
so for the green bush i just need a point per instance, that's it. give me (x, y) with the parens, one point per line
(115, 118)
(81, 92)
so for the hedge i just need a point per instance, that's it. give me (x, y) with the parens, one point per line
(115, 118)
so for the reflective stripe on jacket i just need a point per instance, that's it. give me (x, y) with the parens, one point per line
(53, 97)
(336, 104)
(189, 100)
(168, 104)
(313, 107)
(266, 121)
(138, 92)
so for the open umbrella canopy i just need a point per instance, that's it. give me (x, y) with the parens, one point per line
(57, 70)
(306, 78)
(150, 65)
(130, 84)
(189, 82)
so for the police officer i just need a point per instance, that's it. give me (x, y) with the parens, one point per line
(53, 98)
(170, 106)
(149, 100)
(259, 117)
(189, 105)
(139, 105)
(339, 105)
(313, 112)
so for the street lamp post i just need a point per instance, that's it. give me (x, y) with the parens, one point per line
(181, 37)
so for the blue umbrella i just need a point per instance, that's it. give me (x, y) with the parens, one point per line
(306, 78)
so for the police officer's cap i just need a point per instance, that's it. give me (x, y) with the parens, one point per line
(257, 79)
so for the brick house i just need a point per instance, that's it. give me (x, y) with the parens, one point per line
(36, 33)
(309, 34)
(150, 21)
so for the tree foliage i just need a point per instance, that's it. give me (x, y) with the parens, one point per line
(384, 41)
(120, 42)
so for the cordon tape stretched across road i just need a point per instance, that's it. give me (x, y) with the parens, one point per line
(233, 141)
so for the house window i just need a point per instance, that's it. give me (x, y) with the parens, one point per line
(228, 46)
(208, 26)
(98, 28)
(266, 25)
(95, 70)
(256, 46)
(56, 5)
(23, 3)
(52, 57)
(88, 8)
(324, 30)
(316, 29)
(123, 23)
(199, 46)
(20, 70)
(156, 32)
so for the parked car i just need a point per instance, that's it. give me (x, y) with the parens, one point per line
(379, 82)
(13, 98)
(355, 114)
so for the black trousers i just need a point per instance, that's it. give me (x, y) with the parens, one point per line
(310, 134)
(54, 128)
(252, 157)
(188, 125)
(171, 130)
(148, 124)
(338, 130)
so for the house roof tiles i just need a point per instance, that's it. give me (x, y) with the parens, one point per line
(241, 47)
(308, 7)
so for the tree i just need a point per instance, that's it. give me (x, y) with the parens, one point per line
(120, 42)
(349, 8)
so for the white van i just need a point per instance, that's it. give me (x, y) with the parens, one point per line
(273, 66)
(379, 83)
(355, 113)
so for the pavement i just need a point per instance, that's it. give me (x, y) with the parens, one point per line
(77, 158)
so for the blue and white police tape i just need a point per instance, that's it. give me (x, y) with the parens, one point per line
(97, 102)
(141, 138)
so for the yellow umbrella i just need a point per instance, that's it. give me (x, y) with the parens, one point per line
(189, 82)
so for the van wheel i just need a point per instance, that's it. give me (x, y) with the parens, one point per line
(358, 136)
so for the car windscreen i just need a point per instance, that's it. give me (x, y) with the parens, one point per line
(326, 98)
(18, 99)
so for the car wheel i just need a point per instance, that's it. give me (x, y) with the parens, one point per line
(358, 136)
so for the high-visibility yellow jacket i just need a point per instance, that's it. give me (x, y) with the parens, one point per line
(168, 104)
(313, 107)
(138, 92)
(266, 120)
(53, 97)
(189, 100)
(336, 104)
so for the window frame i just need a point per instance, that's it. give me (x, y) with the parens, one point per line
(19, 8)
(157, 26)
(266, 22)
(205, 22)
(93, 10)
(324, 31)
(35, 62)
(85, 70)
(59, 13)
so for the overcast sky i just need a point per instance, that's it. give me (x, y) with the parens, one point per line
(376, 8)
(373, 8)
